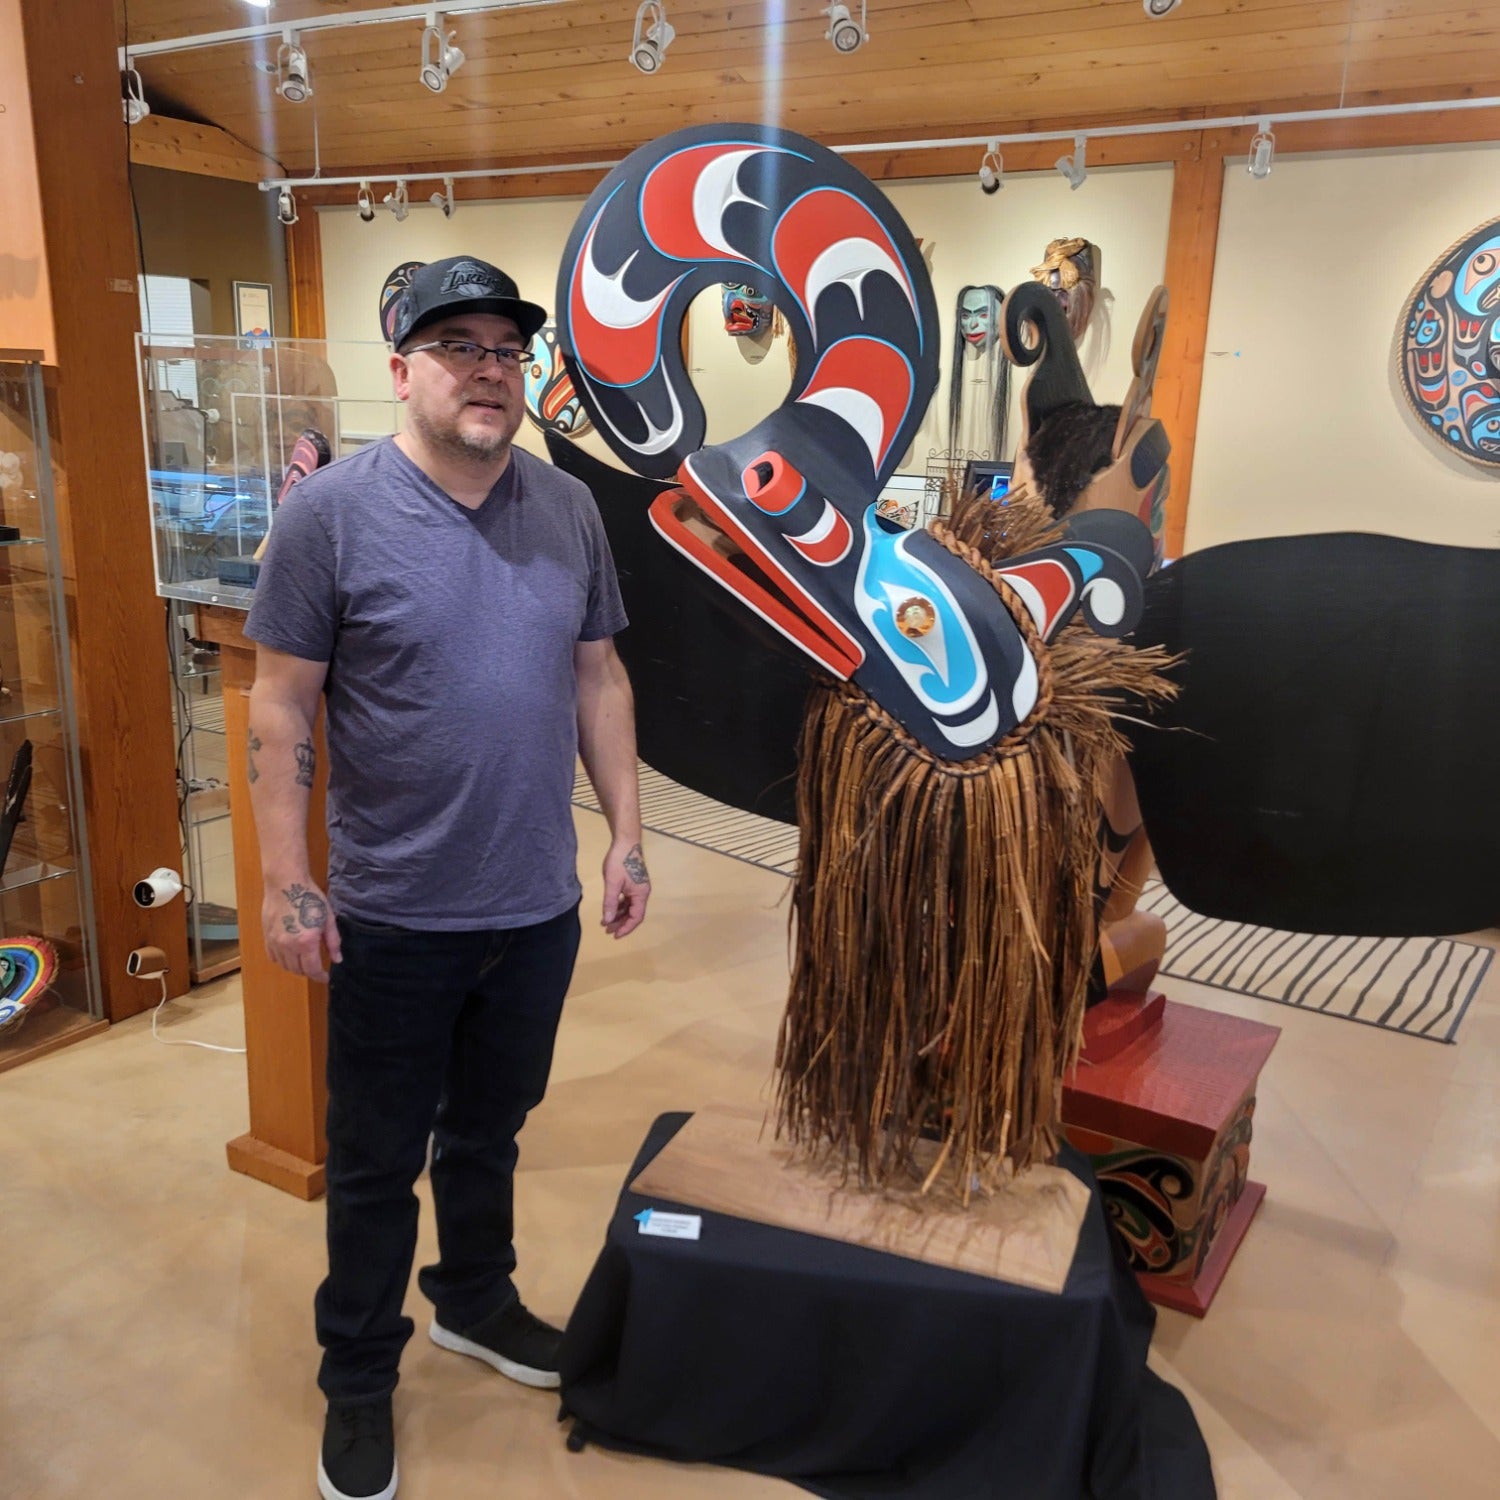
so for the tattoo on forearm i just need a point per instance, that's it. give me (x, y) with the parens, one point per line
(312, 910)
(635, 866)
(253, 745)
(307, 761)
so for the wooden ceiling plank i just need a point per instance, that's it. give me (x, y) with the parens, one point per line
(949, 22)
(567, 89)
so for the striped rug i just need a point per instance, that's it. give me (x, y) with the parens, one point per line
(1417, 986)
(673, 810)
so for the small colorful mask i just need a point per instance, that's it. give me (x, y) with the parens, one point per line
(1070, 269)
(747, 312)
(551, 402)
(1450, 347)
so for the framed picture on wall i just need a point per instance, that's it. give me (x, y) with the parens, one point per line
(252, 311)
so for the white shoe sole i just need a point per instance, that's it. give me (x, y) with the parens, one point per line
(330, 1491)
(542, 1380)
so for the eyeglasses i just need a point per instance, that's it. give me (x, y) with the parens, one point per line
(462, 355)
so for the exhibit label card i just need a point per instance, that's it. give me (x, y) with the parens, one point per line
(671, 1226)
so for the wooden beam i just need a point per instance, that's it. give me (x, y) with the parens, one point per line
(1192, 244)
(304, 268)
(182, 146)
(120, 673)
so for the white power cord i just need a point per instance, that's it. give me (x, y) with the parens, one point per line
(181, 1041)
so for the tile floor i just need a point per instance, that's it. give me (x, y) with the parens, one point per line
(154, 1309)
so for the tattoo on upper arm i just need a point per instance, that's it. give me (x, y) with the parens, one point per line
(253, 744)
(312, 910)
(635, 866)
(307, 762)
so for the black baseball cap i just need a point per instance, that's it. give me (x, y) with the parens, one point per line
(461, 284)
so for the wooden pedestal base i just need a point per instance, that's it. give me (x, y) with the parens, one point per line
(286, 1015)
(303, 1179)
(1162, 1103)
(728, 1161)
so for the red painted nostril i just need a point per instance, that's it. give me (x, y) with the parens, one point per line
(772, 484)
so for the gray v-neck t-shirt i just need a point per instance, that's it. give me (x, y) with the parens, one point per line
(451, 694)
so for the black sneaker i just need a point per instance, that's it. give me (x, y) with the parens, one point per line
(513, 1341)
(358, 1461)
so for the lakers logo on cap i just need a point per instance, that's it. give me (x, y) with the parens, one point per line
(470, 279)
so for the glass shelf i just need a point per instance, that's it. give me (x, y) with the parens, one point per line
(33, 713)
(24, 876)
(21, 541)
(205, 591)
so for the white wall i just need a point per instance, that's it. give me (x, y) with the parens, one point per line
(1303, 427)
(967, 238)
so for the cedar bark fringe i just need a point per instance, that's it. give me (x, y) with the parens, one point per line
(943, 913)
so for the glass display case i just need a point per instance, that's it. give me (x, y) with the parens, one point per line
(221, 417)
(49, 981)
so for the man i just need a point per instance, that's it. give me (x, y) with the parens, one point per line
(455, 599)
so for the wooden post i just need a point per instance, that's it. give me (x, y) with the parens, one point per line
(286, 1016)
(1192, 243)
(120, 672)
(304, 264)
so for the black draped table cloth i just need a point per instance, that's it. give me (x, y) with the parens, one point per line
(858, 1374)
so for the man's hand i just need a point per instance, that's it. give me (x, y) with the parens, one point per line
(299, 923)
(627, 888)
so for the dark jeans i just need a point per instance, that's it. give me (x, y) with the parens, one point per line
(441, 1033)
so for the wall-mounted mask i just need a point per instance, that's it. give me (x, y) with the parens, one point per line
(978, 320)
(747, 312)
(551, 402)
(1450, 347)
(1070, 270)
(396, 283)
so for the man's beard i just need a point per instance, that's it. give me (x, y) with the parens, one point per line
(456, 444)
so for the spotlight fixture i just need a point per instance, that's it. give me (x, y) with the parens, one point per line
(286, 207)
(1074, 167)
(291, 63)
(444, 199)
(441, 56)
(1262, 149)
(397, 201)
(992, 170)
(1156, 9)
(134, 102)
(846, 34)
(366, 201)
(653, 35)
